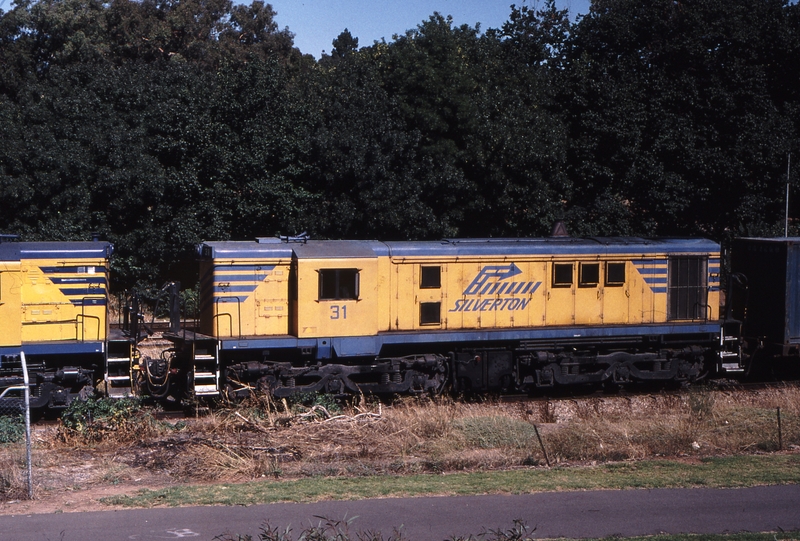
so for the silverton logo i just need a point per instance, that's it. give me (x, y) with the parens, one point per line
(496, 280)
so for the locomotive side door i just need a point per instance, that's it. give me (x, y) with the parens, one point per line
(616, 292)
(649, 278)
(589, 293)
(561, 293)
(271, 299)
(430, 282)
(337, 294)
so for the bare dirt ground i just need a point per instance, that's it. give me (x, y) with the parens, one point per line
(73, 470)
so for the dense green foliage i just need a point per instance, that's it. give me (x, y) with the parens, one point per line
(81, 413)
(12, 429)
(161, 123)
(110, 420)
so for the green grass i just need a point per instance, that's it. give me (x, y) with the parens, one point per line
(714, 473)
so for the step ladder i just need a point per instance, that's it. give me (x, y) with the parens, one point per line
(730, 353)
(205, 369)
(118, 370)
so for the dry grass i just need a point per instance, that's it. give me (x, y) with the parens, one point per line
(12, 472)
(698, 423)
(445, 435)
(260, 439)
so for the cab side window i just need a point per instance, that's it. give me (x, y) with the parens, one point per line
(338, 284)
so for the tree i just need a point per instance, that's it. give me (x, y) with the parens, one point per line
(676, 128)
(492, 147)
(344, 44)
(253, 32)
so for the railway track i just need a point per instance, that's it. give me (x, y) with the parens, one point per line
(726, 387)
(722, 386)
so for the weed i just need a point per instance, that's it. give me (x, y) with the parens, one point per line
(12, 429)
(339, 530)
(299, 402)
(274, 468)
(413, 436)
(701, 404)
(106, 419)
(11, 478)
(518, 532)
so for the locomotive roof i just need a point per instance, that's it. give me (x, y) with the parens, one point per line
(65, 250)
(14, 251)
(550, 246)
(330, 249)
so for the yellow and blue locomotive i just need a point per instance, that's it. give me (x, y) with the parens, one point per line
(506, 315)
(54, 307)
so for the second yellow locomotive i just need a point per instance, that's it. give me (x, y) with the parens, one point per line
(54, 306)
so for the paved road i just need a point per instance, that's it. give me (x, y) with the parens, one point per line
(567, 514)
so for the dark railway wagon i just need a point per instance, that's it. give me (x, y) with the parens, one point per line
(764, 300)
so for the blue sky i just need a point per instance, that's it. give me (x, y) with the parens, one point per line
(316, 23)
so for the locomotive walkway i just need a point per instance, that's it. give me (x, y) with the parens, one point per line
(562, 514)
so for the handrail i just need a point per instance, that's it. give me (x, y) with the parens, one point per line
(79, 318)
(14, 388)
(226, 300)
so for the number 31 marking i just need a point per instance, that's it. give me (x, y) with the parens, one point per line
(339, 312)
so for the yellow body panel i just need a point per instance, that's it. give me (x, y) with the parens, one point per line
(10, 304)
(317, 317)
(494, 292)
(330, 289)
(249, 298)
(63, 299)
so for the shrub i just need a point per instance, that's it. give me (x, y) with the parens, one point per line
(12, 429)
(95, 420)
(301, 401)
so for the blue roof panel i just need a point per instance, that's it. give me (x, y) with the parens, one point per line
(65, 250)
(244, 249)
(337, 249)
(9, 251)
(313, 249)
